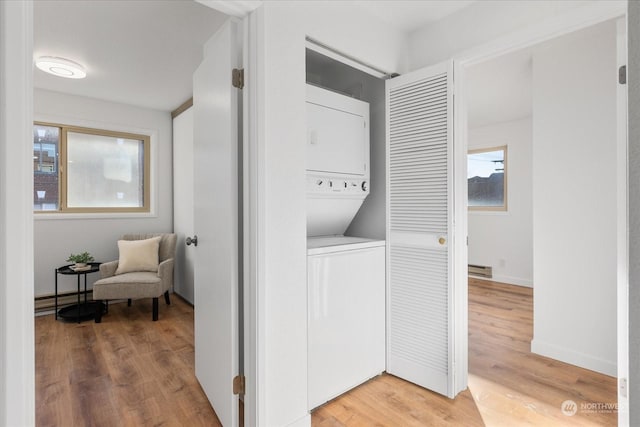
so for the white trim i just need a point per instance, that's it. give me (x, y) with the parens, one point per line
(607, 367)
(17, 370)
(622, 227)
(565, 23)
(250, 182)
(460, 300)
(255, 273)
(332, 53)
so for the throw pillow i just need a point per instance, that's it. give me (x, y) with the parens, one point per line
(138, 255)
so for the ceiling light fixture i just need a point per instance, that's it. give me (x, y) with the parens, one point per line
(61, 67)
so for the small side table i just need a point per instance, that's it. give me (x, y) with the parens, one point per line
(84, 310)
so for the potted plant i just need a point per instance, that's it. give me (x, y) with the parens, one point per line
(80, 260)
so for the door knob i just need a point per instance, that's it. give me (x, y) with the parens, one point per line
(441, 240)
(193, 240)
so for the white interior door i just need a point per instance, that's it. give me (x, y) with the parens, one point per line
(420, 228)
(183, 202)
(215, 104)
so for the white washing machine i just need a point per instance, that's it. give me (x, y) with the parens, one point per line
(346, 285)
(345, 275)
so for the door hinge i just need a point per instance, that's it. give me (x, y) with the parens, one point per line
(238, 384)
(237, 78)
(622, 75)
(622, 387)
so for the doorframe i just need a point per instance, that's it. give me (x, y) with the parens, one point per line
(622, 226)
(254, 229)
(17, 348)
(566, 23)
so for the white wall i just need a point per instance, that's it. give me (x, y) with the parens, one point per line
(56, 236)
(281, 131)
(504, 240)
(574, 220)
(480, 23)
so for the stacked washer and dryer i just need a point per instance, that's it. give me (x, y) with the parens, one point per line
(345, 274)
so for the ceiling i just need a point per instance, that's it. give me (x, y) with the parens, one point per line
(500, 89)
(409, 15)
(140, 53)
(144, 53)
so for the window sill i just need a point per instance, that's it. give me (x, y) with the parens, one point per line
(77, 216)
(489, 213)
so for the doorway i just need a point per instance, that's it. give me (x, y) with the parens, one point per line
(540, 234)
(197, 23)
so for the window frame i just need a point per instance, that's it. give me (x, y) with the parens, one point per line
(63, 177)
(505, 206)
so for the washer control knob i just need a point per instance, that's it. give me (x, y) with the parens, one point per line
(319, 182)
(364, 186)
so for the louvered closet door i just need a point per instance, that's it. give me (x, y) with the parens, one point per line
(419, 225)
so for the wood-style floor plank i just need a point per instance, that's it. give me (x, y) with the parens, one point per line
(125, 371)
(129, 371)
(508, 385)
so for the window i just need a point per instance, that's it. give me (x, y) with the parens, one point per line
(89, 170)
(487, 179)
(46, 143)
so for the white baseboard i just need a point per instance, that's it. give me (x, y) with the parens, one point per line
(511, 280)
(576, 358)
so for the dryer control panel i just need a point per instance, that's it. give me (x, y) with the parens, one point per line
(323, 184)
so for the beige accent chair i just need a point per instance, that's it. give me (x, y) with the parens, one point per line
(137, 284)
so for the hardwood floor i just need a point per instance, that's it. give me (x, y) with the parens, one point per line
(390, 401)
(508, 385)
(129, 371)
(125, 371)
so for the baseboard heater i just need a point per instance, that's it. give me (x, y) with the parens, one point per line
(481, 270)
(47, 302)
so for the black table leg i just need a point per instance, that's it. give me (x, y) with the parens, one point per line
(56, 295)
(85, 288)
(78, 276)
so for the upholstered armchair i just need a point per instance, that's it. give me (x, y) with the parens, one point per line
(143, 270)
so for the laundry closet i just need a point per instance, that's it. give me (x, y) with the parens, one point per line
(345, 187)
